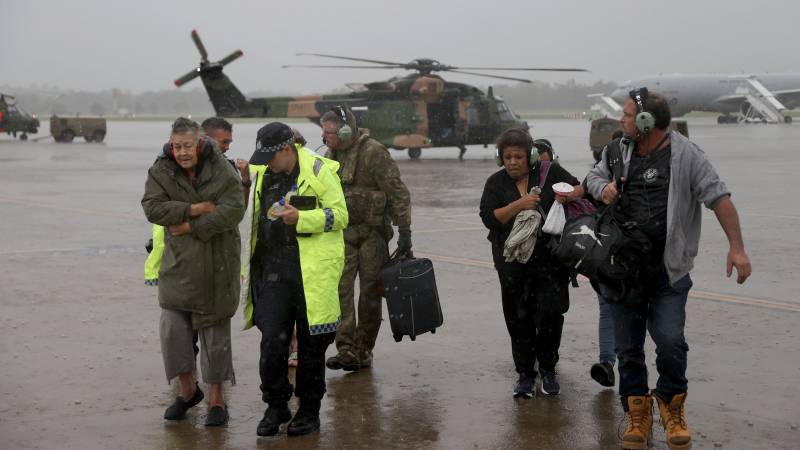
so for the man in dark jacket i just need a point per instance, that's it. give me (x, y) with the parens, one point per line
(195, 193)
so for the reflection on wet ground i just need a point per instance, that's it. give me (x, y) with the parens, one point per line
(80, 366)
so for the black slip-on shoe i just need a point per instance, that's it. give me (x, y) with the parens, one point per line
(217, 416)
(177, 410)
(603, 373)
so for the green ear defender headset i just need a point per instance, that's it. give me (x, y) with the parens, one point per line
(645, 121)
(345, 132)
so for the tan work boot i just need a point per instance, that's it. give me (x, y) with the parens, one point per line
(673, 418)
(640, 422)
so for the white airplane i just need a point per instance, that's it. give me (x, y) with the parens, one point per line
(740, 98)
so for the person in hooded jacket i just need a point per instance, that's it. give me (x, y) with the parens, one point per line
(196, 195)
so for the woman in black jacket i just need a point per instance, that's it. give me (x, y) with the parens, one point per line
(534, 294)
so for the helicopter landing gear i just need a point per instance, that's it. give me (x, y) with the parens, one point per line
(461, 150)
(23, 137)
(414, 153)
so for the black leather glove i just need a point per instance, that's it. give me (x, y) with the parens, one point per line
(404, 241)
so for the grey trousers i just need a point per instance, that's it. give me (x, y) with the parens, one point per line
(179, 346)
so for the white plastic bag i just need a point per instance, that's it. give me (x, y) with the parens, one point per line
(556, 219)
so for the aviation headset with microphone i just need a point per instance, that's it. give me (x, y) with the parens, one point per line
(345, 132)
(645, 122)
(498, 155)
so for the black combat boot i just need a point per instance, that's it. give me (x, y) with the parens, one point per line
(274, 416)
(306, 420)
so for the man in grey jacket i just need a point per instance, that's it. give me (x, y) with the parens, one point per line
(665, 179)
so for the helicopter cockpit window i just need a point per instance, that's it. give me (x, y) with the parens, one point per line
(504, 111)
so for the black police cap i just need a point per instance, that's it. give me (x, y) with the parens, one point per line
(271, 138)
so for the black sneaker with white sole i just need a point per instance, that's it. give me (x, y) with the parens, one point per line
(524, 387)
(550, 384)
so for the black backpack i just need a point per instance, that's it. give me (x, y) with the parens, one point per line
(598, 248)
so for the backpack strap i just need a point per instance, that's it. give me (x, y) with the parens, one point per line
(614, 160)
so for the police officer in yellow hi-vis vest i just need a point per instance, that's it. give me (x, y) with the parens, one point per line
(296, 257)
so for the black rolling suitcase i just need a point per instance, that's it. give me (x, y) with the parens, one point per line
(411, 297)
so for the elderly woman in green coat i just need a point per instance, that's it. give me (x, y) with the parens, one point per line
(196, 195)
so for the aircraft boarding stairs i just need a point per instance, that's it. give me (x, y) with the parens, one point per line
(761, 103)
(606, 106)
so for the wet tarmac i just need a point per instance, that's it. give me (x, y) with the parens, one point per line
(79, 356)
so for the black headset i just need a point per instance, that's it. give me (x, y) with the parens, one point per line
(645, 122)
(345, 132)
(544, 146)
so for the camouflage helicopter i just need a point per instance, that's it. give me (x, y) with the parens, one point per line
(417, 111)
(13, 119)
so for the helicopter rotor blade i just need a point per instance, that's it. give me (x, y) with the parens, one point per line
(230, 58)
(373, 61)
(522, 80)
(200, 47)
(539, 69)
(188, 77)
(336, 67)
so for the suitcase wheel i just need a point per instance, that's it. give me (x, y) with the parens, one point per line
(413, 338)
(398, 337)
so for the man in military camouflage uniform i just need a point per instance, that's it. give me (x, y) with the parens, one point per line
(375, 197)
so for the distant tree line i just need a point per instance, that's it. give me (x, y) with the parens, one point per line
(539, 96)
(47, 100)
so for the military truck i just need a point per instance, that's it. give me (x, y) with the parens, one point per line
(603, 129)
(65, 129)
(14, 120)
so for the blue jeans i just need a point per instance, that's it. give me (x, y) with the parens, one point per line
(605, 331)
(663, 315)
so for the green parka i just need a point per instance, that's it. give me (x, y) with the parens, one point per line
(199, 271)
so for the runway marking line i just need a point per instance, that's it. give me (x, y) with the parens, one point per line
(702, 295)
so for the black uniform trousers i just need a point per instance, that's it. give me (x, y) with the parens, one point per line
(534, 302)
(279, 304)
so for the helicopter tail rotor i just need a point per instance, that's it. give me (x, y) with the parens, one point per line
(205, 65)
(188, 77)
(230, 58)
(200, 47)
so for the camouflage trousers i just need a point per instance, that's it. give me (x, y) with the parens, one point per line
(366, 252)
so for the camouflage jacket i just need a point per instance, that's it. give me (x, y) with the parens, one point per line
(371, 183)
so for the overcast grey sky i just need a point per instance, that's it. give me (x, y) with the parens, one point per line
(144, 45)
